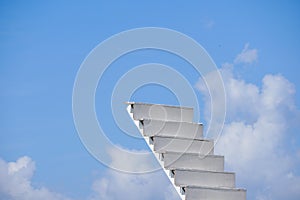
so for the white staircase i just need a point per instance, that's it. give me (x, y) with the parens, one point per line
(187, 158)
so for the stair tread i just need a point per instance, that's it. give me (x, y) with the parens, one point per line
(152, 104)
(215, 188)
(184, 178)
(183, 138)
(163, 144)
(203, 171)
(191, 153)
(213, 193)
(160, 112)
(167, 121)
(171, 128)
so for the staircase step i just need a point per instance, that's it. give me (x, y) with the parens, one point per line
(174, 160)
(187, 158)
(165, 144)
(203, 178)
(171, 128)
(196, 193)
(161, 112)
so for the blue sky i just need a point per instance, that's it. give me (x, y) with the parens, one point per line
(255, 45)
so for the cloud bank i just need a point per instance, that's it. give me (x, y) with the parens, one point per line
(118, 185)
(16, 183)
(258, 130)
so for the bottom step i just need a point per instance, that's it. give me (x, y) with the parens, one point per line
(202, 193)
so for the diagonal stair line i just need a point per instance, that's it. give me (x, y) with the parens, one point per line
(185, 156)
(157, 155)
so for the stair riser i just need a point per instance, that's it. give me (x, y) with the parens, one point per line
(204, 179)
(214, 194)
(172, 129)
(162, 145)
(208, 163)
(160, 112)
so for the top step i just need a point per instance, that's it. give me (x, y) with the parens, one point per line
(142, 111)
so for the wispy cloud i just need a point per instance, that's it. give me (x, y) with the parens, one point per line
(208, 23)
(247, 56)
(257, 132)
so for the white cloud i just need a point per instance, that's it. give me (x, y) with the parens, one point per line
(119, 185)
(15, 182)
(256, 134)
(247, 56)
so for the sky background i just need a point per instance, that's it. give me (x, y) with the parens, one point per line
(255, 45)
